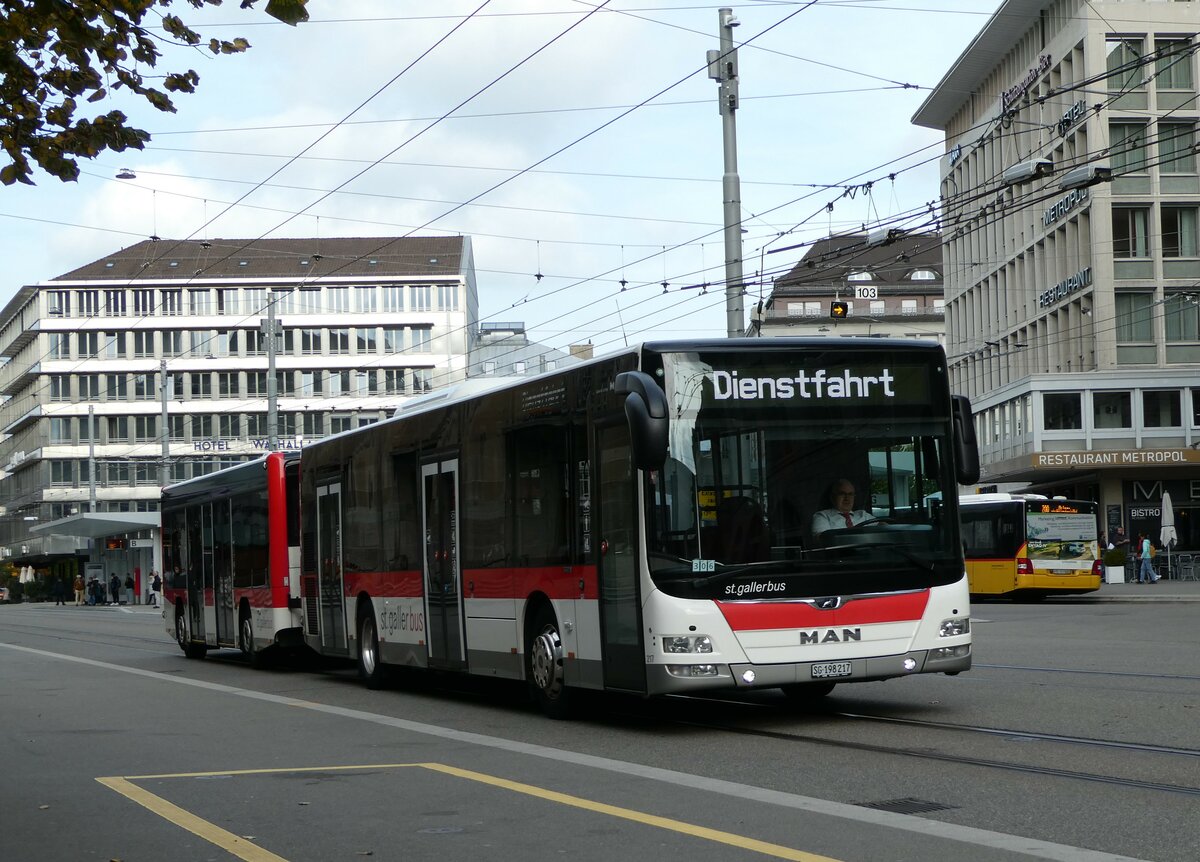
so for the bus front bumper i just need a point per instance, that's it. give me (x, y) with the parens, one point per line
(668, 679)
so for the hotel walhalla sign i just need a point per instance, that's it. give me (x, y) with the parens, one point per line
(1114, 458)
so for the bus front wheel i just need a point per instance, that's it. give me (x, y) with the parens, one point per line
(370, 668)
(544, 665)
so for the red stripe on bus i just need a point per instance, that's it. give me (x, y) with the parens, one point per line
(259, 597)
(401, 584)
(751, 616)
(557, 582)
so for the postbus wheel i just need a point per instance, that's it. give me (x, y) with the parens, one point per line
(184, 638)
(807, 692)
(544, 665)
(370, 668)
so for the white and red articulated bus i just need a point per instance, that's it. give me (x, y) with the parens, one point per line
(654, 522)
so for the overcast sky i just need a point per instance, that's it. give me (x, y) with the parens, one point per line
(552, 188)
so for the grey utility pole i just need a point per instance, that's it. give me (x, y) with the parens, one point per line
(166, 428)
(270, 328)
(722, 68)
(91, 458)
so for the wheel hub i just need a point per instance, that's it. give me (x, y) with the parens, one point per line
(546, 662)
(367, 647)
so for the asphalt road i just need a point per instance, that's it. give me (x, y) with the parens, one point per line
(1073, 738)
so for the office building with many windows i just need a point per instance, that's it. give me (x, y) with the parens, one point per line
(153, 364)
(1071, 196)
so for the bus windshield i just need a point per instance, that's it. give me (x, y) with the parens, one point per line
(745, 507)
(1062, 531)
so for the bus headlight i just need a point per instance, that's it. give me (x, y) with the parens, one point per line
(692, 670)
(949, 652)
(954, 627)
(683, 644)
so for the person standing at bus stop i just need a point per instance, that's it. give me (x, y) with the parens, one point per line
(1146, 566)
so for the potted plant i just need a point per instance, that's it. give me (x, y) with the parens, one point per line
(1114, 565)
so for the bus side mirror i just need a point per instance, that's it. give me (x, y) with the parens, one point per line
(966, 447)
(646, 413)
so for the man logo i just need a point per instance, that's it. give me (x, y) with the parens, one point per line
(830, 636)
(828, 603)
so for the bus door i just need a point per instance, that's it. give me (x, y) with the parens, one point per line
(443, 595)
(331, 602)
(616, 525)
(222, 565)
(199, 547)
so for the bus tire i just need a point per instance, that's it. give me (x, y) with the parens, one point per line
(370, 668)
(544, 665)
(184, 638)
(807, 692)
(246, 640)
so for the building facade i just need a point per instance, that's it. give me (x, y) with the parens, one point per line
(152, 365)
(1071, 198)
(503, 349)
(886, 287)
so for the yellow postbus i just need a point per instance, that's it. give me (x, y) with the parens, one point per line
(1027, 546)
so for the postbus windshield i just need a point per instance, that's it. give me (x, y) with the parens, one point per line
(745, 505)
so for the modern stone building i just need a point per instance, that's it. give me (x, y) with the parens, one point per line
(1071, 202)
(151, 365)
(890, 286)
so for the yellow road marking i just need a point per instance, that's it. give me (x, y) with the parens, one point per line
(764, 847)
(250, 852)
(239, 847)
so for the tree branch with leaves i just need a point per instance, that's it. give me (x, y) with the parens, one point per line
(57, 56)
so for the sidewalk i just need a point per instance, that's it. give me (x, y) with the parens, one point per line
(1163, 591)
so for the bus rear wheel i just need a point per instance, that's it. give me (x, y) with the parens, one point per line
(184, 638)
(246, 641)
(370, 668)
(544, 666)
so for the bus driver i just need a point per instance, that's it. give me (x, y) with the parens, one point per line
(841, 513)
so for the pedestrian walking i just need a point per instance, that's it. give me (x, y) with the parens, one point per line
(114, 588)
(79, 587)
(155, 586)
(60, 590)
(1146, 566)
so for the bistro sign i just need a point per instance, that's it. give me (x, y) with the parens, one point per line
(1115, 458)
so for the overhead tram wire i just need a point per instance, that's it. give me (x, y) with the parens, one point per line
(810, 4)
(328, 132)
(431, 125)
(604, 125)
(583, 137)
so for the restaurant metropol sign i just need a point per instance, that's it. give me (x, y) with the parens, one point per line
(1114, 458)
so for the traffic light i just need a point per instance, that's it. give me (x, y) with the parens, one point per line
(838, 309)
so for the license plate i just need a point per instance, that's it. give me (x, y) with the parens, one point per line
(831, 668)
